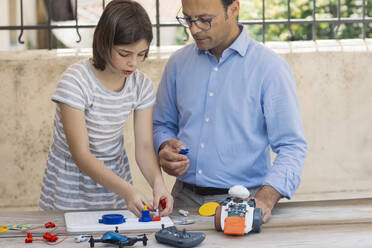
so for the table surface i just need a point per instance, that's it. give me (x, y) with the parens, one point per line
(339, 223)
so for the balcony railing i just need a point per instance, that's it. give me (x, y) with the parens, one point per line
(364, 20)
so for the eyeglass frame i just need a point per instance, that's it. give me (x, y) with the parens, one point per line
(191, 21)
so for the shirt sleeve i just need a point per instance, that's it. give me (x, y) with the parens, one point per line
(285, 131)
(146, 94)
(70, 90)
(165, 110)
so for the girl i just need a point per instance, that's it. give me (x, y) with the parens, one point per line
(87, 166)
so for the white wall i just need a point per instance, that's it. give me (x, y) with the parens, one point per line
(4, 21)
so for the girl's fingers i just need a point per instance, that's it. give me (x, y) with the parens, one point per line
(156, 202)
(135, 211)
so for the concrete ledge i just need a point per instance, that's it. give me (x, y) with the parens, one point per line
(333, 80)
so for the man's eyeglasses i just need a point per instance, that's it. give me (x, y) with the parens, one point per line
(203, 24)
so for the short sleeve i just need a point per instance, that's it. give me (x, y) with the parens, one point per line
(71, 90)
(145, 94)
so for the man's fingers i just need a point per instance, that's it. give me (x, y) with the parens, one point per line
(266, 216)
(177, 170)
(182, 170)
(172, 155)
(266, 212)
(173, 172)
(173, 165)
(175, 144)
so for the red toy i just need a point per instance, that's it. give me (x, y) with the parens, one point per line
(163, 203)
(47, 237)
(29, 238)
(49, 225)
(50, 237)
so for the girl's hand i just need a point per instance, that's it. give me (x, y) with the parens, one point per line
(161, 193)
(135, 201)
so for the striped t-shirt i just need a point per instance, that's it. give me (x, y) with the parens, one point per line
(64, 185)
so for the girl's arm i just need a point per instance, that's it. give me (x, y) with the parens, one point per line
(146, 159)
(77, 138)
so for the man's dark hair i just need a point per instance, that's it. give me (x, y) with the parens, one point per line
(123, 22)
(226, 3)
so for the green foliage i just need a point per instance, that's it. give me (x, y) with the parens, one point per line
(303, 9)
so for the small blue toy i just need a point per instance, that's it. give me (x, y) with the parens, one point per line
(145, 215)
(112, 219)
(117, 239)
(184, 151)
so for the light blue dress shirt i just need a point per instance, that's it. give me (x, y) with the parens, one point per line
(229, 113)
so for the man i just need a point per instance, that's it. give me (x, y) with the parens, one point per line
(228, 99)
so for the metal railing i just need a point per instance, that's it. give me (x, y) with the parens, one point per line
(314, 21)
(364, 20)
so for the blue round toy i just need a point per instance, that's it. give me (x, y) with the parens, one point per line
(112, 219)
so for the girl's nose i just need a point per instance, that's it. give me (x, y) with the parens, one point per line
(133, 61)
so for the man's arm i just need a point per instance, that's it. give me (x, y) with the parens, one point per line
(165, 121)
(286, 137)
(165, 125)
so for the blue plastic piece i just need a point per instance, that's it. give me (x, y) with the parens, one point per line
(145, 216)
(112, 219)
(117, 239)
(114, 236)
(184, 151)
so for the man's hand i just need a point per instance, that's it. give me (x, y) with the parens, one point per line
(170, 160)
(266, 199)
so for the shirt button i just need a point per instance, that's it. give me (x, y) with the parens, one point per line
(200, 171)
(211, 93)
(207, 119)
(215, 68)
(202, 145)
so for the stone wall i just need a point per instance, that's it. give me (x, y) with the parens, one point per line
(333, 80)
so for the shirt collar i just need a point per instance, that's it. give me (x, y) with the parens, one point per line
(240, 44)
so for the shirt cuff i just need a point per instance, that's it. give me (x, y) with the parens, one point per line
(284, 181)
(160, 138)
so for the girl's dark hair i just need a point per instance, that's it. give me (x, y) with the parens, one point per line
(123, 22)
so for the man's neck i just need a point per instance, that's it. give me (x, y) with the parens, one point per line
(217, 51)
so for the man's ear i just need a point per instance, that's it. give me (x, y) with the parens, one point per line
(234, 8)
